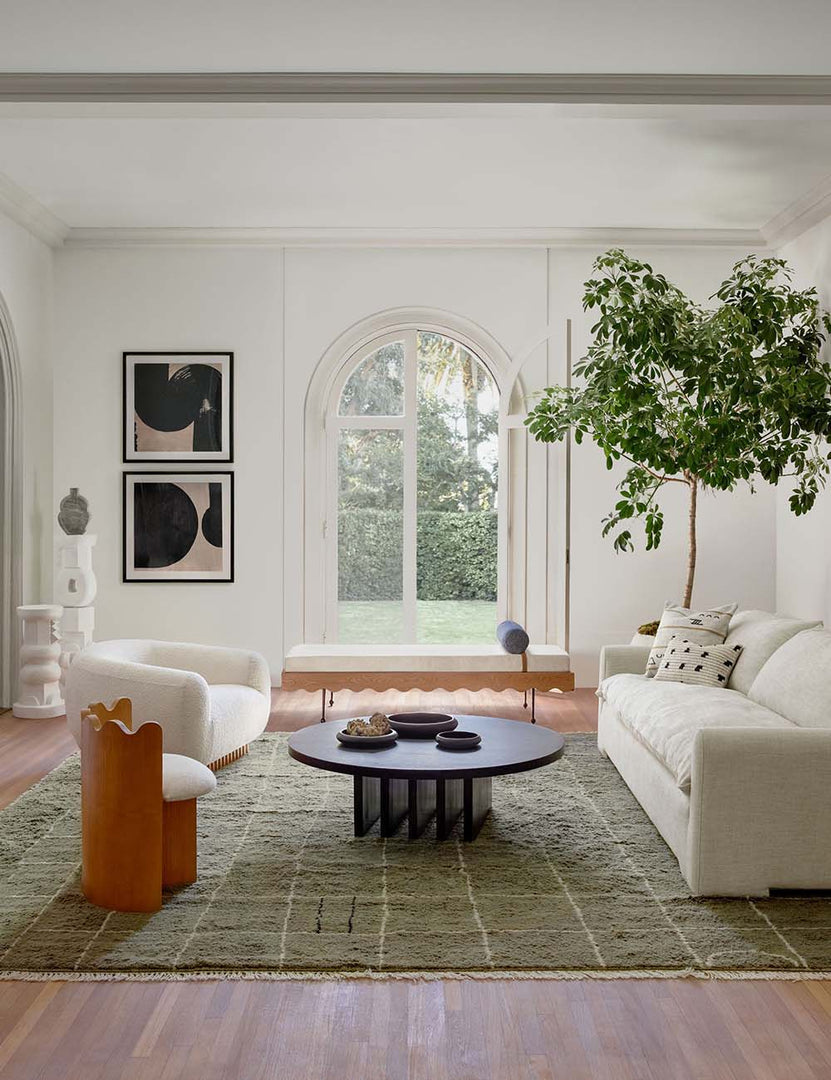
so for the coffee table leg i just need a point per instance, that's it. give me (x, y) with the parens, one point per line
(394, 804)
(422, 805)
(449, 802)
(366, 798)
(477, 804)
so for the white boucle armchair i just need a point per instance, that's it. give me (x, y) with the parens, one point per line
(211, 702)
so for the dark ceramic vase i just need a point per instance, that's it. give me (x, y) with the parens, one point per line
(73, 516)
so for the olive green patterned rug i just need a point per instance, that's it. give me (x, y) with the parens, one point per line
(567, 876)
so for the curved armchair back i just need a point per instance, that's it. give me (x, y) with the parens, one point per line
(170, 683)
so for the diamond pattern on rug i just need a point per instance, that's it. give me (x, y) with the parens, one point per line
(568, 873)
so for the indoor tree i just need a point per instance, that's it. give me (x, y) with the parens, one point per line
(704, 397)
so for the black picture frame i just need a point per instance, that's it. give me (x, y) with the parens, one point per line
(131, 456)
(130, 574)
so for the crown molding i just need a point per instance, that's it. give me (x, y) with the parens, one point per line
(413, 237)
(23, 208)
(417, 87)
(802, 214)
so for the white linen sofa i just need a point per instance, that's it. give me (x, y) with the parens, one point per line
(736, 780)
(211, 702)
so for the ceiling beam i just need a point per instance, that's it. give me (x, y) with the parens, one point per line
(413, 237)
(423, 87)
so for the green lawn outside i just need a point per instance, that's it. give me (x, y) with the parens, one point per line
(440, 622)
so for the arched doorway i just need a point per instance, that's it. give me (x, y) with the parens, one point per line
(11, 505)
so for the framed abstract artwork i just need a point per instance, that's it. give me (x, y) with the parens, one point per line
(178, 407)
(178, 526)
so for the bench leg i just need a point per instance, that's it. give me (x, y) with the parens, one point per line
(533, 705)
(323, 706)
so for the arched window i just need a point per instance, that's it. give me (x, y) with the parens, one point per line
(412, 520)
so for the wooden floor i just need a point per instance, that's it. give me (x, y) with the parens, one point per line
(645, 1029)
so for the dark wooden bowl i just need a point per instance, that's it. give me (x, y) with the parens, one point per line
(458, 740)
(421, 725)
(366, 742)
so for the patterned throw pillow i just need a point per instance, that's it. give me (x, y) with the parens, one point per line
(702, 665)
(706, 627)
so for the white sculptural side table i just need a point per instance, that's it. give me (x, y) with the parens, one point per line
(39, 694)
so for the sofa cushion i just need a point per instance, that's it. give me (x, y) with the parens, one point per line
(697, 665)
(512, 637)
(665, 716)
(707, 627)
(760, 634)
(423, 658)
(184, 778)
(796, 681)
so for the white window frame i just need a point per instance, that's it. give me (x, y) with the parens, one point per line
(407, 423)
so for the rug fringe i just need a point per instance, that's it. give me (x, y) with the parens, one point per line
(407, 976)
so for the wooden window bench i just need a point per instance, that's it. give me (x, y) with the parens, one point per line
(328, 668)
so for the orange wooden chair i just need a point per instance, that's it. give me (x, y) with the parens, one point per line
(138, 811)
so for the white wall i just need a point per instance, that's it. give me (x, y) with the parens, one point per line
(803, 565)
(111, 301)
(199, 298)
(26, 284)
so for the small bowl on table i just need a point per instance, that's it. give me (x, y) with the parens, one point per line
(458, 740)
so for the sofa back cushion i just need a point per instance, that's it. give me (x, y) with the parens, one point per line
(760, 634)
(796, 681)
(706, 627)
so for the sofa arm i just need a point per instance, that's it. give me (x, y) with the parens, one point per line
(623, 660)
(177, 700)
(760, 810)
(216, 664)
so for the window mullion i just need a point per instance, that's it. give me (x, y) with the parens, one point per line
(330, 534)
(410, 482)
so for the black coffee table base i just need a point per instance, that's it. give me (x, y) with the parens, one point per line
(393, 799)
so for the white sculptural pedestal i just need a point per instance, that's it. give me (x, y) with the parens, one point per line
(39, 694)
(75, 588)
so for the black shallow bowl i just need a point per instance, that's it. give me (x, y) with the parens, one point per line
(421, 725)
(458, 740)
(366, 742)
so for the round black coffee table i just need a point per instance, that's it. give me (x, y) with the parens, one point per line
(415, 778)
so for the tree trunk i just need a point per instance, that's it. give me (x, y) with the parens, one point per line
(692, 547)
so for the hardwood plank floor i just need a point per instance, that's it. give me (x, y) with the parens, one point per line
(645, 1029)
(676, 1029)
(29, 749)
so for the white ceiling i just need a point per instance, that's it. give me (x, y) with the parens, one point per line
(342, 166)
(531, 166)
(668, 36)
